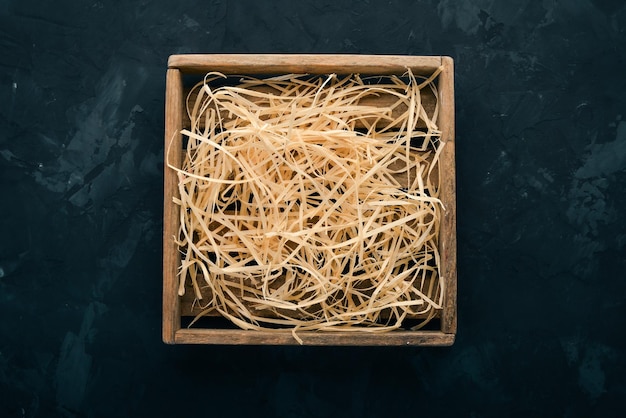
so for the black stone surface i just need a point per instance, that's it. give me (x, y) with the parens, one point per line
(541, 153)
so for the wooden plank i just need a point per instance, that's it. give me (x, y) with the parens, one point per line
(303, 63)
(448, 244)
(243, 337)
(446, 99)
(171, 255)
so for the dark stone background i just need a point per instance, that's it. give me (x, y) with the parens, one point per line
(541, 148)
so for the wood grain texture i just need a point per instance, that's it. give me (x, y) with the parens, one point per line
(237, 337)
(173, 153)
(302, 63)
(448, 244)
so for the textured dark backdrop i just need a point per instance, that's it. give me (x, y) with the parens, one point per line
(541, 130)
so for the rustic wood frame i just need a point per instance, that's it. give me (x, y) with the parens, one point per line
(179, 65)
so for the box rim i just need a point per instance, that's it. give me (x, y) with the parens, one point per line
(305, 63)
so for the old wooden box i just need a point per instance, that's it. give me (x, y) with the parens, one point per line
(177, 310)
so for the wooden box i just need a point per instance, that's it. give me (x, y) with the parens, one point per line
(177, 310)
